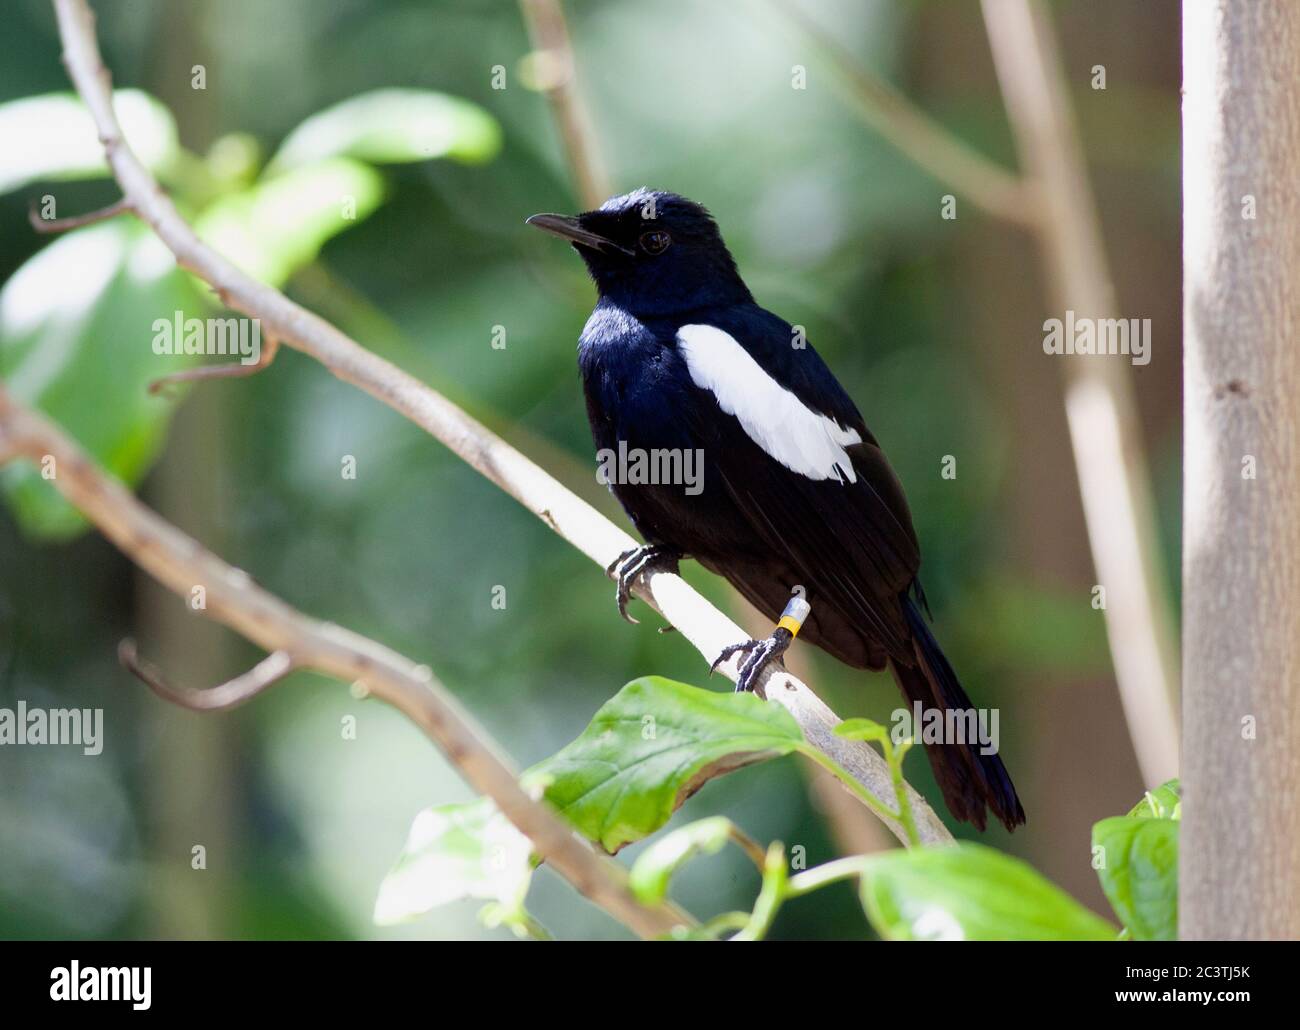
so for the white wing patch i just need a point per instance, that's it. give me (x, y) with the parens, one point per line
(788, 430)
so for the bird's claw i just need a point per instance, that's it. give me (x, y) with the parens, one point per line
(731, 649)
(635, 562)
(610, 569)
(760, 652)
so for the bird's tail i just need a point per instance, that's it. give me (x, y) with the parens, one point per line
(970, 781)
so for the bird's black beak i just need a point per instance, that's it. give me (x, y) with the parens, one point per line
(570, 229)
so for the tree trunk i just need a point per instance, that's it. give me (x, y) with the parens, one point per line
(1240, 854)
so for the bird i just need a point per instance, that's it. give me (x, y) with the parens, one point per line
(795, 505)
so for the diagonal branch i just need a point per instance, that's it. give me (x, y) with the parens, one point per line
(571, 517)
(1100, 408)
(549, 33)
(295, 640)
(995, 190)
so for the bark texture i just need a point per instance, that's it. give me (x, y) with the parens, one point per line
(1240, 849)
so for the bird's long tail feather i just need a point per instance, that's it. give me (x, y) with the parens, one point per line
(970, 781)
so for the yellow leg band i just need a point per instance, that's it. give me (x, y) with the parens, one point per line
(791, 623)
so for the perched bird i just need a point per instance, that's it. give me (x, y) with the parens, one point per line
(796, 504)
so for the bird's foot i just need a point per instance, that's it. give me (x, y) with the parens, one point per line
(635, 562)
(760, 653)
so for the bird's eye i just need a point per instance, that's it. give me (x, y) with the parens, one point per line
(655, 242)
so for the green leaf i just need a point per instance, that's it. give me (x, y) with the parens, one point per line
(1139, 873)
(861, 729)
(53, 137)
(653, 745)
(970, 892)
(76, 341)
(455, 852)
(392, 126)
(657, 864)
(646, 750)
(1165, 802)
(280, 224)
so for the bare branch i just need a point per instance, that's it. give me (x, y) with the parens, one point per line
(295, 640)
(571, 517)
(231, 694)
(1114, 479)
(56, 225)
(550, 36)
(994, 189)
(231, 370)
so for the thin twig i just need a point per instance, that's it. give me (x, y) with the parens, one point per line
(1114, 478)
(231, 694)
(550, 37)
(748, 845)
(571, 517)
(56, 225)
(179, 562)
(230, 370)
(994, 189)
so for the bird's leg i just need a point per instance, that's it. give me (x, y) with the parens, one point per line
(635, 562)
(762, 652)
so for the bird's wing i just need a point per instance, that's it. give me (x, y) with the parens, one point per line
(801, 466)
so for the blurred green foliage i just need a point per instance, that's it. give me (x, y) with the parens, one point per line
(63, 353)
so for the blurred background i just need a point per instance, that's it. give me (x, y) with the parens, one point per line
(831, 227)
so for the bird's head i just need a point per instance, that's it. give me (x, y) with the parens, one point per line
(652, 252)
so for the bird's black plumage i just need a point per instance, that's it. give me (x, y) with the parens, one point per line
(795, 490)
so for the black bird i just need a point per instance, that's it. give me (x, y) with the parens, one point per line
(795, 495)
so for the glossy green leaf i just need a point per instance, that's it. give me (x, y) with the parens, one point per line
(76, 340)
(655, 867)
(52, 136)
(1139, 873)
(275, 227)
(970, 892)
(393, 125)
(455, 852)
(861, 729)
(1165, 802)
(646, 750)
(653, 745)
